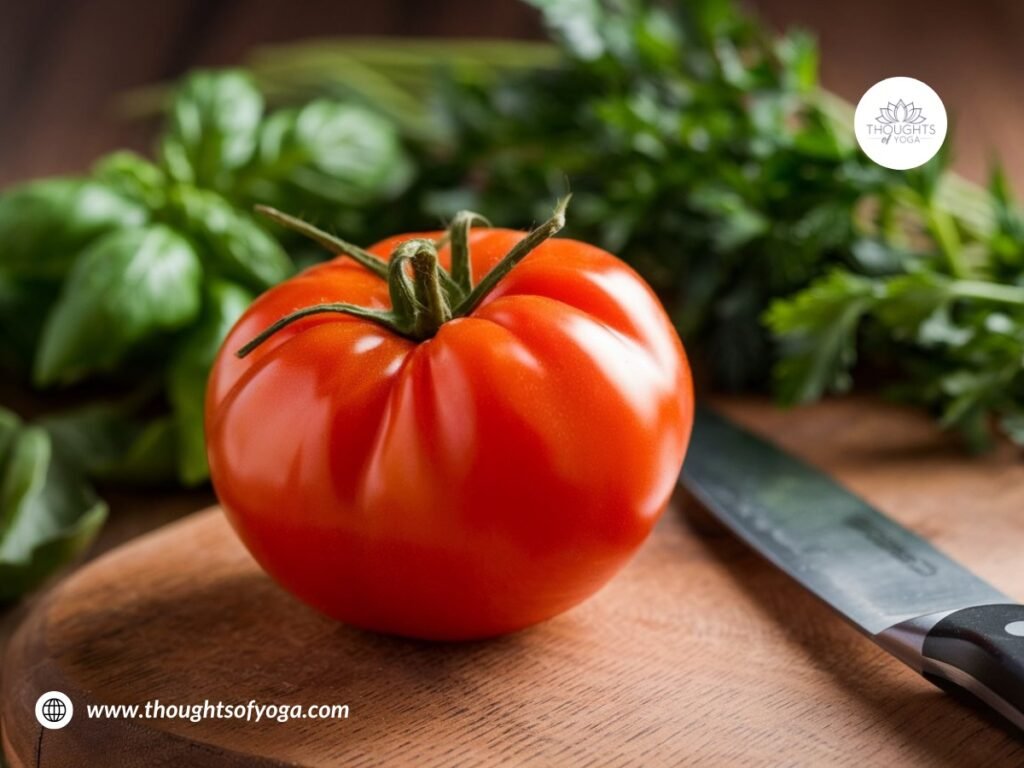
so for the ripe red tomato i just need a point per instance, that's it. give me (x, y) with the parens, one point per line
(466, 485)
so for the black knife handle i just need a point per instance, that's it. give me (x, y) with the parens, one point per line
(981, 650)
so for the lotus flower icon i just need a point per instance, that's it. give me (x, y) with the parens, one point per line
(900, 112)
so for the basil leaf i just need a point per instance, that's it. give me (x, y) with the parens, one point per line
(211, 128)
(47, 513)
(113, 443)
(129, 286)
(190, 370)
(233, 244)
(95, 437)
(134, 177)
(44, 224)
(324, 154)
(24, 304)
(150, 458)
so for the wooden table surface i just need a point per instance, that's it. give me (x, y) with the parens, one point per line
(698, 653)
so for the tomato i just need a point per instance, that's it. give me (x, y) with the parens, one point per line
(470, 481)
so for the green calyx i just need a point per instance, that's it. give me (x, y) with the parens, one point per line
(424, 295)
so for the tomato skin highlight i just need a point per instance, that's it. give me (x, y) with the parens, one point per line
(469, 485)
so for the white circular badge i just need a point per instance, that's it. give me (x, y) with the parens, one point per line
(54, 710)
(900, 123)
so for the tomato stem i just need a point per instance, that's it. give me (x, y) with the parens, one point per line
(432, 308)
(458, 237)
(535, 237)
(382, 317)
(334, 244)
(402, 291)
(422, 303)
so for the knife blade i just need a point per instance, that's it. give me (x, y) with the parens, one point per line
(910, 598)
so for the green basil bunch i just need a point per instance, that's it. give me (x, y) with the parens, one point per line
(47, 512)
(124, 282)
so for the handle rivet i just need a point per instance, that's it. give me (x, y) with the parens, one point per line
(1015, 628)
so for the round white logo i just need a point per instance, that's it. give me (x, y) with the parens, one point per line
(900, 123)
(54, 710)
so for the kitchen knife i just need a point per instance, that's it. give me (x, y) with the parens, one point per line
(912, 600)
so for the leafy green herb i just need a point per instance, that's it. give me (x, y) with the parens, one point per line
(189, 369)
(235, 246)
(212, 129)
(325, 155)
(958, 344)
(119, 442)
(47, 513)
(100, 437)
(819, 329)
(24, 304)
(44, 224)
(133, 177)
(129, 286)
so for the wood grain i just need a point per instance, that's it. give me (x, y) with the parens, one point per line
(697, 654)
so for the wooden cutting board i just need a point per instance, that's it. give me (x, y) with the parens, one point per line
(698, 653)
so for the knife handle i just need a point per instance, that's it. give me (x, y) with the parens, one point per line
(980, 650)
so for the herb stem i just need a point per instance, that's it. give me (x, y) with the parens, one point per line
(986, 291)
(942, 227)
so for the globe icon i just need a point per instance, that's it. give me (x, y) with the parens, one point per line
(54, 710)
